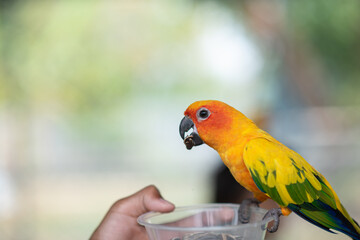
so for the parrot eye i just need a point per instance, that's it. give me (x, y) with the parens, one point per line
(203, 114)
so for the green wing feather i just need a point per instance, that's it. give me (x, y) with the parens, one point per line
(292, 182)
(282, 173)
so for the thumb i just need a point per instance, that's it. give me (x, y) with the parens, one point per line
(146, 200)
(153, 201)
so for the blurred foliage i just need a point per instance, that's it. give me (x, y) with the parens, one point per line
(51, 54)
(43, 59)
(88, 60)
(332, 29)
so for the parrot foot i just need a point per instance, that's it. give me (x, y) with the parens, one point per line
(244, 210)
(274, 213)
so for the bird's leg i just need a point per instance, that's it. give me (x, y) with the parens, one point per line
(244, 210)
(275, 213)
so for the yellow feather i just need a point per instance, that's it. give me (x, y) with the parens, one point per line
(310, 199)
(313, 181)
(271, 180)
(284, 194)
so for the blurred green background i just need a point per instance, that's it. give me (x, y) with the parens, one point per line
(92, 92)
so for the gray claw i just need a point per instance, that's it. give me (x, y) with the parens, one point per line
(275, 213)
(244, 210)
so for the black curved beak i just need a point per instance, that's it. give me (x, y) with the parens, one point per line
(189, 133)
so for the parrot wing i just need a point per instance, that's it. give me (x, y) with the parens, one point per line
(282, 173)
(292, 182)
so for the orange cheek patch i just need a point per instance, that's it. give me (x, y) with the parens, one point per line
(218, 120)
(214, 129)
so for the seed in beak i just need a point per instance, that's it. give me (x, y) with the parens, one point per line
(189, 142)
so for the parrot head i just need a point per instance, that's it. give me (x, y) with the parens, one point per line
(212, 122)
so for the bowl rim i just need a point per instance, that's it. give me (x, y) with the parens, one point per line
(142, 219)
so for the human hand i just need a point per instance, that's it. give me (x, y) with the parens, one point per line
(120, 222)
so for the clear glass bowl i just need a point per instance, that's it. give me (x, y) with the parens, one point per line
(205, 222)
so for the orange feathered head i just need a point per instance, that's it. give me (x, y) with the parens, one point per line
(212, 122)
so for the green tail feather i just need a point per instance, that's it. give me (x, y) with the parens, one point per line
(326, 217)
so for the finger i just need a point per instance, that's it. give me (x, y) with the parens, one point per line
(145, 200)
(153, 201)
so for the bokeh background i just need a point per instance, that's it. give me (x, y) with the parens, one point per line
(92, 92)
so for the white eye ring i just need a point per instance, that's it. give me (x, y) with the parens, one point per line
(202, 114)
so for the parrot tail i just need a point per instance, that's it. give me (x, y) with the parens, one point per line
(358, 227)
(325, 217)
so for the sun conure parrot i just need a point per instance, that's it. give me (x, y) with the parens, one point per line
(266, 167)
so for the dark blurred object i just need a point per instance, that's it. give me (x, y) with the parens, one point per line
(227, 190)
(6, 4)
